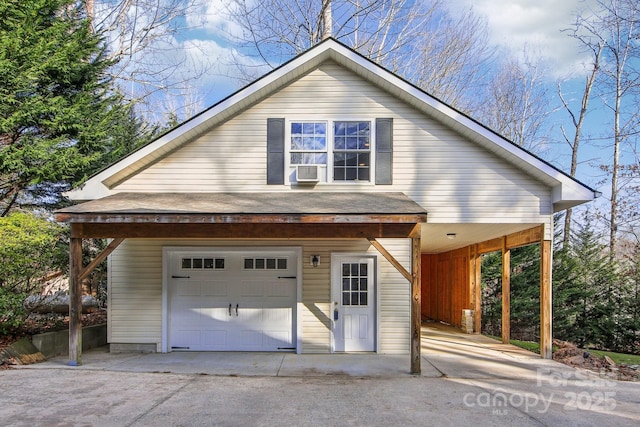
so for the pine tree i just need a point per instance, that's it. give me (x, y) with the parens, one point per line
(588, 297)
(59, 117)
(525, 293)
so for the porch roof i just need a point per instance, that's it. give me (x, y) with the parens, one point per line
(264, 207)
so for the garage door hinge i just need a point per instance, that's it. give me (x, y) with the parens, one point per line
(181, 277)
(287, 277)
(180, 348)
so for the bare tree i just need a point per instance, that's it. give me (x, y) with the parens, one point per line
(276, 30)
(516, 104)
(141, 40)
(615, 25)
(578, 120)
(450, 59)
(417, 40)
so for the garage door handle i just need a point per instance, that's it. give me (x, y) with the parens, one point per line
(237, 305)
(229, 309)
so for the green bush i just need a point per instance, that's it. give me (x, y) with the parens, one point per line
(31, 249)
(12, 312)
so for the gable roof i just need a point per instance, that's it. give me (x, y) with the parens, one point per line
(566, 192)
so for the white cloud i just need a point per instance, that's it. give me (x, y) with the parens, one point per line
(213, 17)
(536, 24)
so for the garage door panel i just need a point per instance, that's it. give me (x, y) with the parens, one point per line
(188, 317)
(278, 339)
(277, 316)
(251, 289)
(218, 289)
(213, 316)
(250, 339)
(186, 289)
(214, 338)
(186, 338)
(279, 289)
(234, 308)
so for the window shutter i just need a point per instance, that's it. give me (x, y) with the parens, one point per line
(275, 151)
(384, 151)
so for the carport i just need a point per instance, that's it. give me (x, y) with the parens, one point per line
(285, 215)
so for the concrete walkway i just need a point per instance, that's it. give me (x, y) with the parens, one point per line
(466, 379)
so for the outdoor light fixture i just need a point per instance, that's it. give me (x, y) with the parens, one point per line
(315, 260)
(451, 236)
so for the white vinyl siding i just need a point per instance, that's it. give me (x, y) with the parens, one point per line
(135, 291)
(455, 180)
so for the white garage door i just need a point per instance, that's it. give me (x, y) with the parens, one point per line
(227, 300)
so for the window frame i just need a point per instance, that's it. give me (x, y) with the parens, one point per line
(329, 167)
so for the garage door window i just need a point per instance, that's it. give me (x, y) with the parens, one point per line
(265, 263)
(203, 263)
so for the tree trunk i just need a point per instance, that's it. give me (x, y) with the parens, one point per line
(327, 18)
(578, 123)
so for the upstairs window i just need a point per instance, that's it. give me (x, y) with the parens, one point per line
(308, 143)
(340, 149)
(351, 151)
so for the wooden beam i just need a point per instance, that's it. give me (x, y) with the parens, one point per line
(105, 253)
(247, 231)
(204, 218)
(526, 237)
(492, 245)
(75, 302)
(546, 337)
(515, 240)
(391, 259)
(416, 302)
(506, 293)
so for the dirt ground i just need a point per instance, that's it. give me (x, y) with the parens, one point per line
(571, 355)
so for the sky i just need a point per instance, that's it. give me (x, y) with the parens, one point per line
(540, 24)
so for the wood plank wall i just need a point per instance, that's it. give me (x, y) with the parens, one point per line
(445, 286)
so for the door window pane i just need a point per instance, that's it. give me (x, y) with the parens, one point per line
(355, 287)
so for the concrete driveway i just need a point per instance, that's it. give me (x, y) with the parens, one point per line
(466, 379)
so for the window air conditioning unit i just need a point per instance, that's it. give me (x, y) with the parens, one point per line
(307, 173)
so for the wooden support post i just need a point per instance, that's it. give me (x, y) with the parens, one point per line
(477, 314)
(506, 293)
(546, 337)
(416, 306)
(471, 278)
(75, 302)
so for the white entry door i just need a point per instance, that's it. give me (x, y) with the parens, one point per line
(354, 304)
(231, 300)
